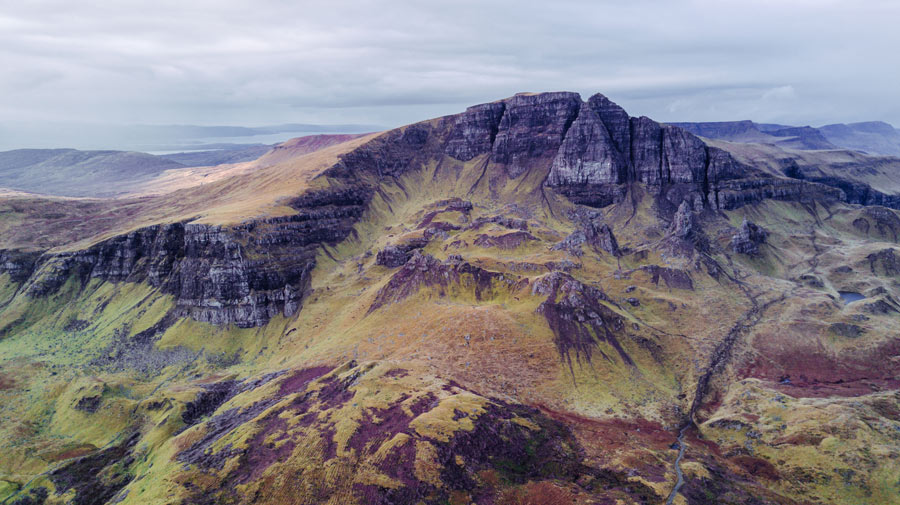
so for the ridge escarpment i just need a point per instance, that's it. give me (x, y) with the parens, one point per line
(590, 152)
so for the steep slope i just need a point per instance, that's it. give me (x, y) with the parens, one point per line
(523, 303)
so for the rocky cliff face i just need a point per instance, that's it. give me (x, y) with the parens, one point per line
(243, 275)
(592, 150)
(19, 265)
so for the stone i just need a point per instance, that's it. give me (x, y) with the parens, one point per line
(242, 275)
(748, 238)
(684, 225)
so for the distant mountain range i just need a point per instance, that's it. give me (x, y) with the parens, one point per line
(236, 153)
(70, 172)
(76, 173)
(157, 138)
(873, 137)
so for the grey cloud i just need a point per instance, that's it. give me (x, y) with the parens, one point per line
(266, 62)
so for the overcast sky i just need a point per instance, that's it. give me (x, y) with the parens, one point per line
(390, 62)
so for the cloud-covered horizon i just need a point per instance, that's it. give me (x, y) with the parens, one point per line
(390, 63)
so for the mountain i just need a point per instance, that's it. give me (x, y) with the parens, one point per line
(873, 137)
(539, 300)
(856, 174)
(787, 137)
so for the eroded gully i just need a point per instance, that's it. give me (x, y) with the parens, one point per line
(718, 360)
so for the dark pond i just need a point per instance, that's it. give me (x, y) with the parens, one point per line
(850, 296)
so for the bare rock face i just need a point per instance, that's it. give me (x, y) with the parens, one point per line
(588, 153)
(390, 155)
(591, 231)
(605, 240)
(674, 278)
(473, 131)
(18, 264)
(396, 255)
(885, 262)
(684, 225)
(424, 270)
(572, 243)
(736, 193)
(507, 222)
(243, 275)
(748, 239)
(646, 149)
(616, 121)
(510, 240)
(592, 150)
(879, 221)
(392, 257)
(532, 129)
(605, 149)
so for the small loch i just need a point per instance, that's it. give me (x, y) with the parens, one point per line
(850, 296)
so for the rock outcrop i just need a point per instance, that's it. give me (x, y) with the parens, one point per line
(396, 255)
(532, 129)
(578, 318)
(424, 270)
(748, 239)
(593, 232)
(475, 131)
(674, 278)
(510, 240)
(604, 239)
(19, 265)
(684, 226)
(606, 148)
